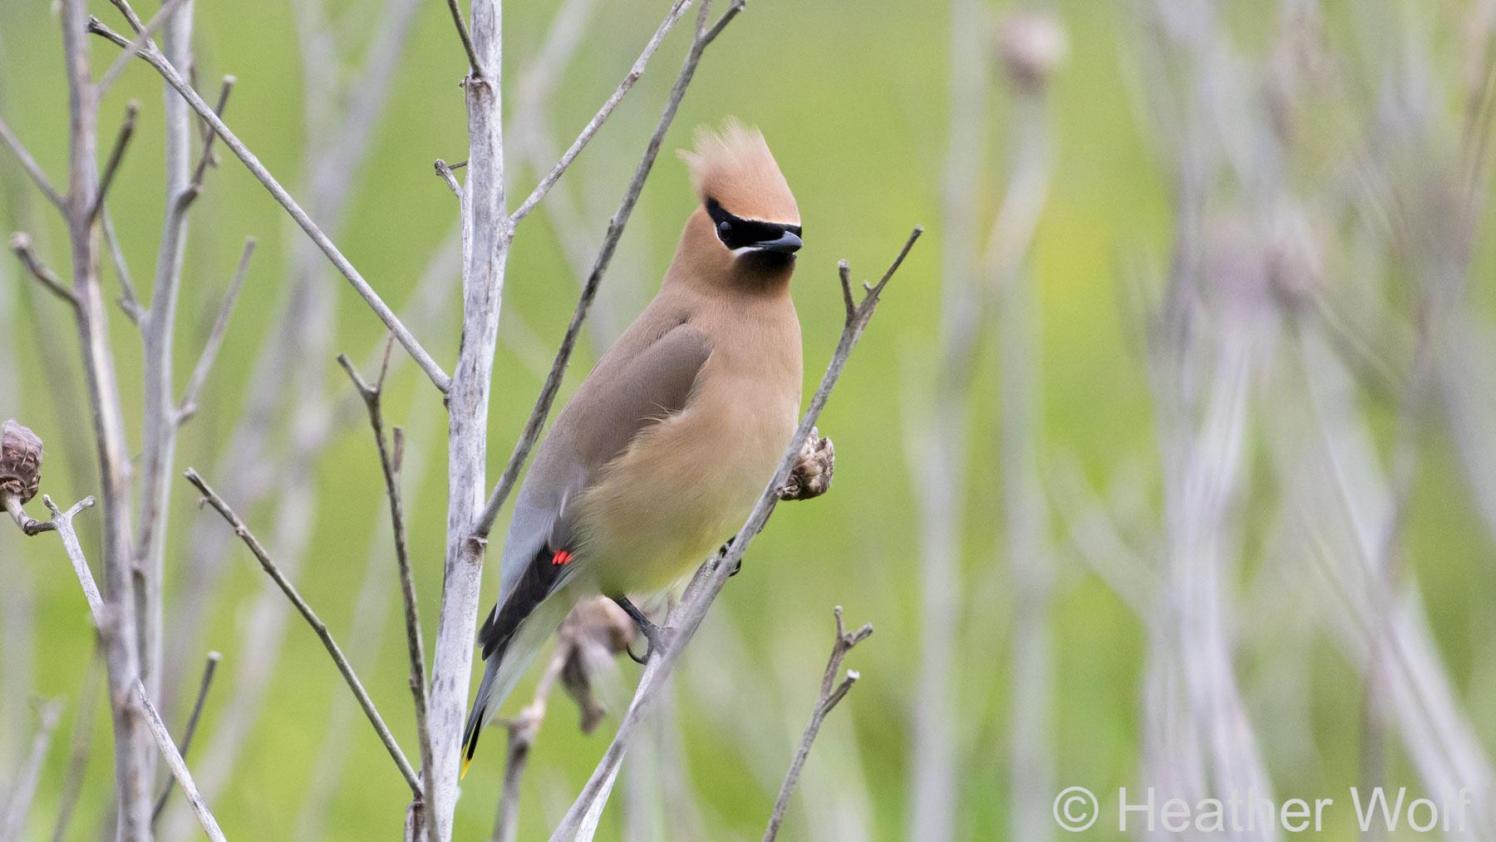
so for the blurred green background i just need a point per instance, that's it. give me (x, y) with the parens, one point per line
(853, 98)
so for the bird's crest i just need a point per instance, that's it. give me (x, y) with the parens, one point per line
(736, 168)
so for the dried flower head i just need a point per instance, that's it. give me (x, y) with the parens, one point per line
(813, 469)
(1031, 46)
(593, 633)
(20, 461)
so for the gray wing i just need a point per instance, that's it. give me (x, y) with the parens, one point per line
(625, 394)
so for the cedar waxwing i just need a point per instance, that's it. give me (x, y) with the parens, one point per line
(671, 439)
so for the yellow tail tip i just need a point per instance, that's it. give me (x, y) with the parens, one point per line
(466, 762)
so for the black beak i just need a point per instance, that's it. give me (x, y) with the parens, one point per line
(787, 243)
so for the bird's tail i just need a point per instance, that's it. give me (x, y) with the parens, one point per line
(505, 665)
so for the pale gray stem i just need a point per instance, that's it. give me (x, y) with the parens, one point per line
(177, 765)
(712, 576)
(132, 755)
(485, 251)
(831, 694)
(1020, 412)
(13, 821)
(158, 329)
(932, 772)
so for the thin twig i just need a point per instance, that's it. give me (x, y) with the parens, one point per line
(141, 41)
(548, 391)
(177, 765)
(390, 463)
(128, 301)
(318, 626)
(596, 123)
(467, 40)
(721, 24)
(830, 696)
(205, 159)
(116, 155)
(32, 168)
(712, 576)
(444, 170)
(174, 78)
(209, 669)
(13, 822)
(20, 243)
(214, 343)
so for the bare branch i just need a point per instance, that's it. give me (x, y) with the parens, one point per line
(32, 168)
(284, 198)
(389, 463)
(13, 822)
(830, 696)
(177, 765)
(616, 225)
(485, 253)
(209, 669)
(596, 123)
(20, 243)
(211, 347)
(318, 626)
(712, 576)
(467, 40)
(116, 155)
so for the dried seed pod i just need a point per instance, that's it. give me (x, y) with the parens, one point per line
(593, 633)
(813, 469)
(1031, 46)
(20, 461)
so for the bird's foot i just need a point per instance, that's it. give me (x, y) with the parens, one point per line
(737, 566)
(653, 634)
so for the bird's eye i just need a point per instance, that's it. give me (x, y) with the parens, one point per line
(725, 228)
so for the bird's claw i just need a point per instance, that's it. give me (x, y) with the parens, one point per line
(653, 634)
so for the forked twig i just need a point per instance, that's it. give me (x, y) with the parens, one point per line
(831, 694)
(390, 464)
(318, 626)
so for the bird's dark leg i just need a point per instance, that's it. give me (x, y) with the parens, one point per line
(737, 566)
(647, 628)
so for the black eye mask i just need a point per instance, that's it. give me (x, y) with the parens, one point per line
(736, 232)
